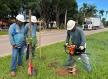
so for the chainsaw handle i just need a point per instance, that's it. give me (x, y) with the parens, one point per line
(65, 49)
(79, 50)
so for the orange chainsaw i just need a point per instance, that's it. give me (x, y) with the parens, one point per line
(73, 50)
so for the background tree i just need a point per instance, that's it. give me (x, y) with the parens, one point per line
(101, 12)
(106, 14)
(104, 21)
(61, 7)
(56, 9)
(86, 11)
(49, 10)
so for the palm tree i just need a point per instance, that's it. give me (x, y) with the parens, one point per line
(84, 8)
(106, 13)
(88, 10)
(101, 12)
(92, 10)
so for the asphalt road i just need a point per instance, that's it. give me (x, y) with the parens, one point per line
(44, 38)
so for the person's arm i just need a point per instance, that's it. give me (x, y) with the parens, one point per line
(26, 30)
(68, 37)
(83, 40)
(11, 36)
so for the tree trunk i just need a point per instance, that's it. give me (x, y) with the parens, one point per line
(57, 17)
(65, 19)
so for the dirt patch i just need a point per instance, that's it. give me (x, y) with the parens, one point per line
(66, 71)
(62, 71)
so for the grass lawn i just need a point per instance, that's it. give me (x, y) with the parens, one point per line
(3, 32)
(97, 45)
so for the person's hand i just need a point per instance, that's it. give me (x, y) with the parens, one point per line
(81, 47)
(66, 44)
(14, 46)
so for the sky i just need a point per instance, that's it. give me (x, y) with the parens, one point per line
(100, 4)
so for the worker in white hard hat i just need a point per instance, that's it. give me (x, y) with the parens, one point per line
(76, 36)
(17, 40)
(34, 39)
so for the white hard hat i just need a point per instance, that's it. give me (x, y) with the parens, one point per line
(33, 19)
(20, 17)
(70, 24)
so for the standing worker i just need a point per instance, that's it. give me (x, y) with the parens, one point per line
(34, 39)
(17, 40)
(76, 36)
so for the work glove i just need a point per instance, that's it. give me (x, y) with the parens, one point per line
(81, 47)
(66, 44)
